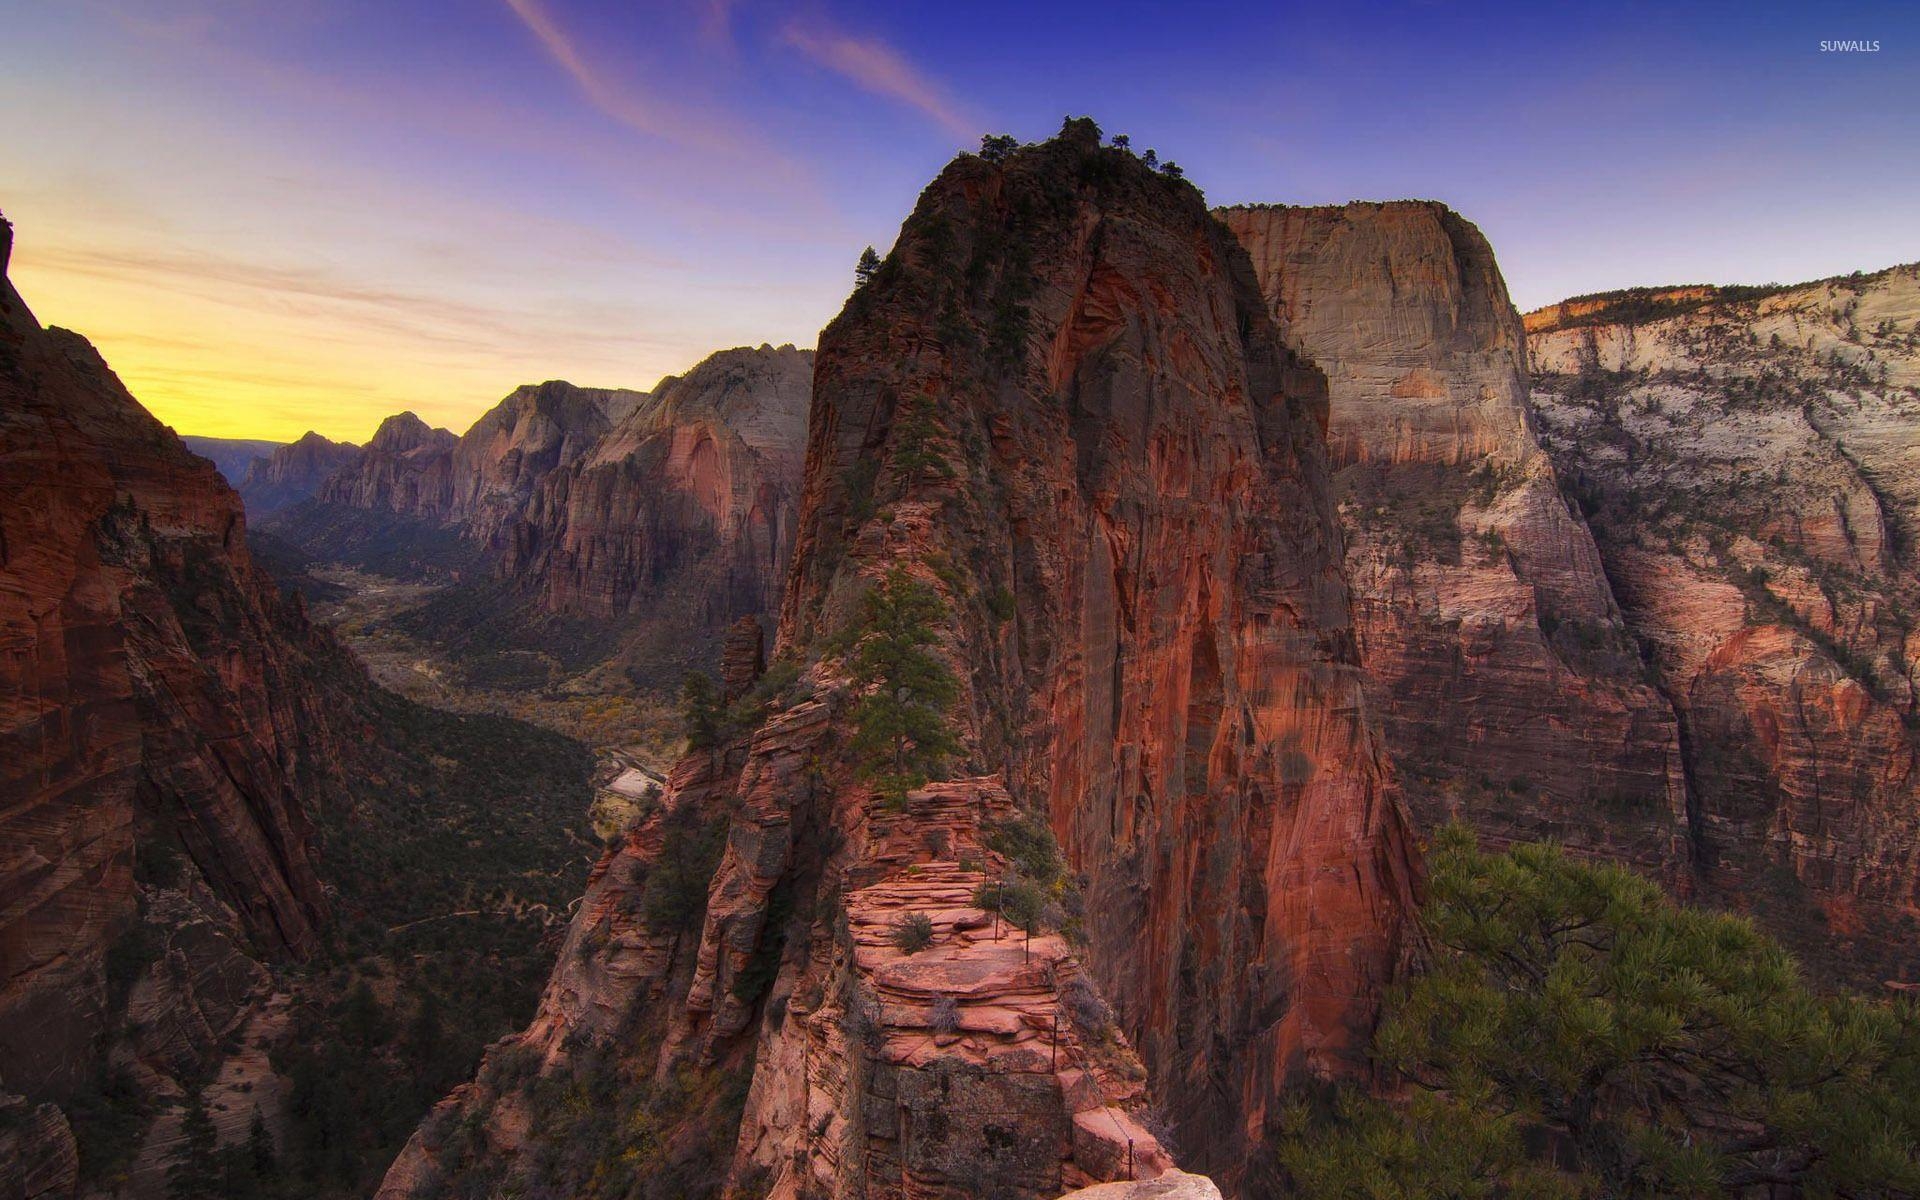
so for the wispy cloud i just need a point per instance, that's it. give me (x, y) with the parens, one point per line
(620, 102)
(876, 67)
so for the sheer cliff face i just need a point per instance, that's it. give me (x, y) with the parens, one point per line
(1751, 469)
(690, 500)
(1062, 406)
(407, 469)
(295, 472)
(155, 729)
(510, 452)
(1511, 692)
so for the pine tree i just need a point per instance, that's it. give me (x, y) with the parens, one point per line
(195, 1174)
(901, 735)
(1578, 1033)
(915, 456)
(998, 147)
(260, 1154)
(866, 268)
(701, 711)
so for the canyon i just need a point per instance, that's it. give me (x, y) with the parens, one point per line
(204, 796)
(1061, 403)
(1221, 557)
(598, 530)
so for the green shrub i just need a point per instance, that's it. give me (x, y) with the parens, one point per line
(911, 933)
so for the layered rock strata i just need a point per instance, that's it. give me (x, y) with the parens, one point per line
(1061, 406)
(295, 472)
(1512, 695)
(1747, 459)
(156, 725)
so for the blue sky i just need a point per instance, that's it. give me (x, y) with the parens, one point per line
(275, 216)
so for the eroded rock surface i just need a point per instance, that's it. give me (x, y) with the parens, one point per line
(1749, 461)
(154, 707)
(1062, 405)
(295, 472)
(1512, 695)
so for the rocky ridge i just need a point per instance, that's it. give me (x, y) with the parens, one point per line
(1063, 404)
(294, 472)
(159, 733)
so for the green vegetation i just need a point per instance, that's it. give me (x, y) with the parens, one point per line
(998, 147)
(901, 733)
(916, 450)
(1639, 306)
(1578, 1034)
(866, 268)
(675, 897)
(453, 875)
(911, 933)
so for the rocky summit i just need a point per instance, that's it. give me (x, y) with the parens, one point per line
(1060, 415)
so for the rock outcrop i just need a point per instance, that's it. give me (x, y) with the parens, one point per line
(155, 727)
(1749, 461)
(1061, 407)
(294, 472)
(406, 469)
(38, 1159)
(680, 520)
(1511, 692)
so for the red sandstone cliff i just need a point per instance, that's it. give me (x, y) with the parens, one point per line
(587, 523)
(1061, 404)
(1749, 460)
(157, 734)
(295, 472)
(680, 519)
(1511, 692)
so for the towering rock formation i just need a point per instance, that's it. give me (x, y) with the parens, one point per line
(681, 518)
(1749, 462)
(157, 731)
(1062, 407)
(295, 472)
(1512, 694)
(510, 452)
(407, 469)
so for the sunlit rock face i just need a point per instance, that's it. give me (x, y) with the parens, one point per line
(1511, 691)
(159, 728)
(682, 515)
(1749, 462)
(1062, 406)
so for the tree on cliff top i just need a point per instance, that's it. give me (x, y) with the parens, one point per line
(1579, 1034)
(901, 735)
(866, 268)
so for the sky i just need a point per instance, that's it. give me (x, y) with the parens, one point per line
(281, 215)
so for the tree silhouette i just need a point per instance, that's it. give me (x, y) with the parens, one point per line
(195, 1174)
(997, 147)
(865, 269)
